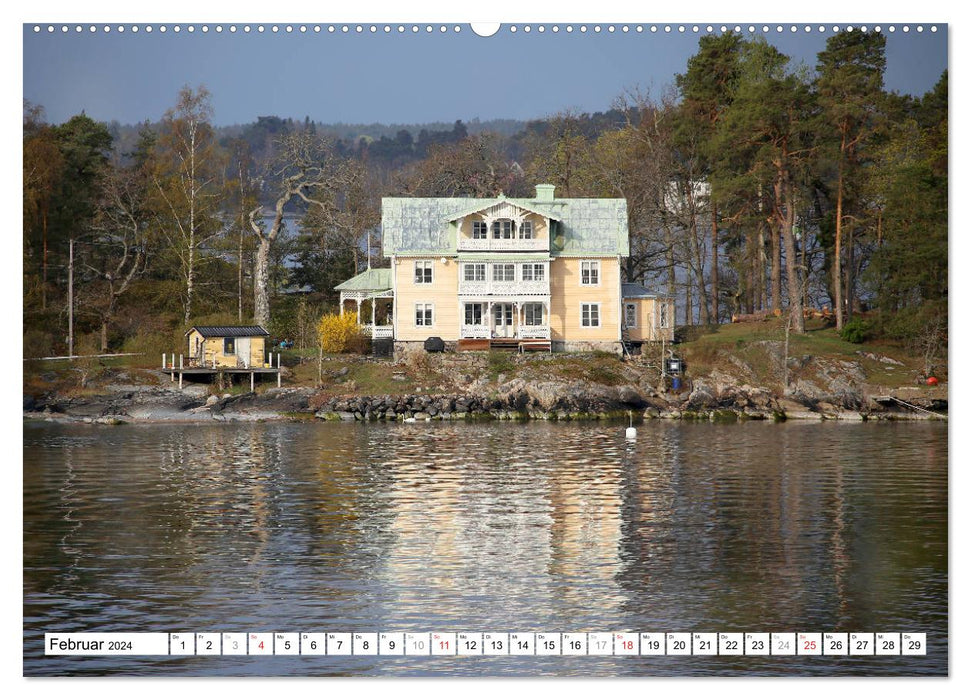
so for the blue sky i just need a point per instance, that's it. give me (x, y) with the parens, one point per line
(390, 78)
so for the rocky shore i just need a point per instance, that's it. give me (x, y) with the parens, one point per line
(711, 398)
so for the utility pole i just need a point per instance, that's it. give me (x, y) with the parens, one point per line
(70, 299)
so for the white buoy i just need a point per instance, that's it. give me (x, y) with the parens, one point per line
(631, 432)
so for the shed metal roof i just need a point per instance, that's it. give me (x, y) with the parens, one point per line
(229, 331)
(424, 226)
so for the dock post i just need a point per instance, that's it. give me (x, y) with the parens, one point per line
(278, 370)
(180, 381)
(252, 385)
(180, 362)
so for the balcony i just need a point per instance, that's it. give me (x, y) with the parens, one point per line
(503, 244)
(513, 288)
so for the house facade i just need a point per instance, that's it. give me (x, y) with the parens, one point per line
(538, 269)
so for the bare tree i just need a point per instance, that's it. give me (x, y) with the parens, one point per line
(305, 169)
(117, 255)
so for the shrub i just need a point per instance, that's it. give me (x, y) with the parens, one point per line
(856, 331)
(340, 333)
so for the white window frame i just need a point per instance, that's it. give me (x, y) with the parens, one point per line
(628, 305)
(467, 308)
(662, 316)
(591, 304)
(425, 307)
(475, 267)
(528, 272)
(482, 227)
(499, 229)
(527, 306)
(592, 267)
(505, 267)
(526, 231)
(428, 265)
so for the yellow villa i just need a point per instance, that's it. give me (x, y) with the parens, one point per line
(537, 272)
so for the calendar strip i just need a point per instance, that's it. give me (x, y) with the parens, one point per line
(824, 644)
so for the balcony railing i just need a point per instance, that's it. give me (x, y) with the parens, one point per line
(541, 332)
(503, 243)
(480, 331)
(512, 288)
(476, 330)
(378, 331)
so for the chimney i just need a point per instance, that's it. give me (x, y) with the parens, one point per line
(544, 193)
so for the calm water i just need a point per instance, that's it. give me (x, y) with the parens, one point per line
(486, 527)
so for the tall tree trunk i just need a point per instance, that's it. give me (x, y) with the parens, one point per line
(776, 270)
(763, 300)
(688, 311)
(261, 275)
(714, 264)
(792, 259)
(239, 280)
(43, 286)
(189, 279)
(837, 250)
(699, 272)
(850, 274)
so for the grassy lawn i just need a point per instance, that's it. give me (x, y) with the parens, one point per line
(759, 346)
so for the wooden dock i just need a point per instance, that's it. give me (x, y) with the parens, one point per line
(173, 369)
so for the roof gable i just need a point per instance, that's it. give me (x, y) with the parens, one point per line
(500, 209)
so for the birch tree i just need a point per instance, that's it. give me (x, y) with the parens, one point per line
(186, 179)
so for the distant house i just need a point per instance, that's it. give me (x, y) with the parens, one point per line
(489, 272)
(229, 347)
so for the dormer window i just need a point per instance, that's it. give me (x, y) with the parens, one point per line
(502, 228)
(526, 230)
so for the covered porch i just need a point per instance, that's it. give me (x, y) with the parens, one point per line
(369, 295)
(504, 321)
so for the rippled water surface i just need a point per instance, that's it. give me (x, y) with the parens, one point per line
(485, 527)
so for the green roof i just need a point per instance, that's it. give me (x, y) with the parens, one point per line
(581, 227)
(371, 280)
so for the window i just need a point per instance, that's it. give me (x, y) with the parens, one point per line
(533, 314)
(473, 272)
(503, 272)
(229, 346)
(473, 314)
(424, 314)
(534, 272)
(502, 228)
(590, 315)
(630, 315)
(526, 230)
(590, 273)
(663, 315)
(423, 272)
(479, 230)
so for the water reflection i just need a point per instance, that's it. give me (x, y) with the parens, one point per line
(505, 527)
